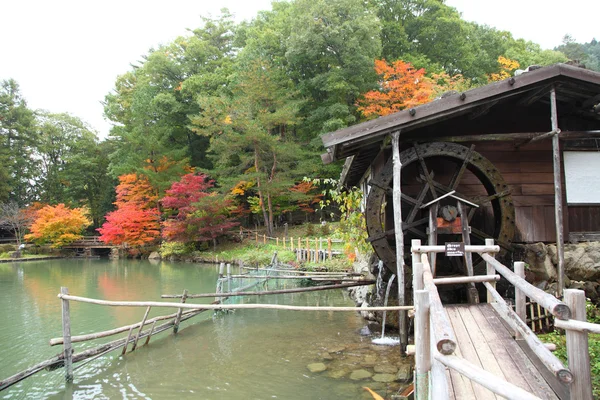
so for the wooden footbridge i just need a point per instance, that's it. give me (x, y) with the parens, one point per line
(486, 350)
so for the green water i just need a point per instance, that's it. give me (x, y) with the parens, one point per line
(247, 354)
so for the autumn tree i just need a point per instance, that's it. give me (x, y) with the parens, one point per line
(401, 86)
(15, 220)
(195, 215)
(136, 220)
(58, 225)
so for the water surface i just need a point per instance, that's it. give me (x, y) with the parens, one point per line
(246, 354)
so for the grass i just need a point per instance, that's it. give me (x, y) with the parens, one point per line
(7, 256)
(559, 339)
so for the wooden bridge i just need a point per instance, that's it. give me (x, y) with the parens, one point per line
(486, 350)
(88, 244)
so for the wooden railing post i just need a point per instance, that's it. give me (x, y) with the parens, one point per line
(228, 277)
(578, 354)
(520, 300)
(141, 328)
(291, 243)
(66, 327)
(256, 233)
(418, 276)
(490, 270)
(179, 312)
(416, 257)
(329, 254)
(264, 239)
(423, 344)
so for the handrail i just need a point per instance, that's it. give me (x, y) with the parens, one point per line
(484, 378)
(445, 340)
(576, 325)
(534, 343)
(546, 300)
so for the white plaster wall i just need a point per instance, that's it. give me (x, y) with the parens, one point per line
(582, 175)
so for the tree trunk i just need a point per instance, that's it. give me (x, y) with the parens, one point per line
(260, 195)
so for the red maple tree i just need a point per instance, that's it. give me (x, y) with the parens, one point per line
(136, 221)
(401, 86)
(196, 214)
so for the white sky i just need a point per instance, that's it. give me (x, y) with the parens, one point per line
(66, 54)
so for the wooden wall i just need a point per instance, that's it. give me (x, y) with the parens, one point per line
(528, 171)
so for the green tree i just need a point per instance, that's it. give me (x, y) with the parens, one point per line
(18, 139)
(150, 104)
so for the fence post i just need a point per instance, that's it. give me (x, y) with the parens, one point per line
(66, 326)
(329, 255)
(316, 259)
(277, 241)
(416, 257)
(264, 239)
(423, 346)
(284, 243)
(578, 354)
(228, 278)
(137, 337)
(291, 243)
(520, 300)
(256, 234)
(490, 270)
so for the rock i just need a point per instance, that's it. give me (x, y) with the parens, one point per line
(365, 331)
(326, 356)
(385, 369)
(404, 373)
(154, 256)
(384, 377)
(360, 374)
(338, 373)
(370, 360)
(540, 266)
(336, 349)
(316, 367)
(582, 261)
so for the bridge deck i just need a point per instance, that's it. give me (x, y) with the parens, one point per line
(484, 340)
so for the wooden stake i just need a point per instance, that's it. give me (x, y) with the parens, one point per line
(127, 341)
(67, 348)
(178, 317)
(520, 300)
(558, 206)
(264, 239)
(150, 334)
(397, 203)
(578, 353)
(490, 270)
(291, 244)
(141, 327)
(423, 346)
(329, 255)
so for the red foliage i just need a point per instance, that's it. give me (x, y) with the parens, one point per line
(309, 199)
(135, 222)
(132, 225)
(401, 86)
(197, 214)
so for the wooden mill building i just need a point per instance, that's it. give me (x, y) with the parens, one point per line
(526, 150)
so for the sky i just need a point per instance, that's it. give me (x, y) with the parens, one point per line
(66, 54)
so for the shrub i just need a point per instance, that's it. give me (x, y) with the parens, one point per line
(168, 249)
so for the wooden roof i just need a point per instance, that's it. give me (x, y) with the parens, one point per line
(515, 105)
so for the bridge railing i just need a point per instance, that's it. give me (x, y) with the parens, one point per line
(431, 327)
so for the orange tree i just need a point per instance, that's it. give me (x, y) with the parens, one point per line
(400, 86)
(136, 221)
(58, 225)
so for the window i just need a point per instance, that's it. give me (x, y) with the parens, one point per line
(582, 177)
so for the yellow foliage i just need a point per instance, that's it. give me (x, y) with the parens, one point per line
(507, 67)
(58, 225)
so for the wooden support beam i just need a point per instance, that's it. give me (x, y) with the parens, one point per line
(397, 205)
(180, 311)
(423, 345)
(466, 279)
(66, 328)
(490, 271)
(472, 294)
(141, 327)
(578, 353)
(520, 306)
(558, 205)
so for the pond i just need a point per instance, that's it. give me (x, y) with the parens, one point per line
(246, 354)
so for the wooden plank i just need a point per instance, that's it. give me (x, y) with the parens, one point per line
(66, 328)
(537, 189)
(539, 224)
(527, 369)
(524, 201)
(496, 339)
(523, 221)
(467, 350)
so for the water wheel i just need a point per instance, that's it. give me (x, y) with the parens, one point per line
(428, 172)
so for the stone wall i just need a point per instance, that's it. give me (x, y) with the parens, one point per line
(582, 266)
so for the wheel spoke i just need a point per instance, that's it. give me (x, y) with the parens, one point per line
(417, 206)
(459, 172)
(428, 176)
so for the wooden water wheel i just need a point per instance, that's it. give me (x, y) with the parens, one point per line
(429, 171)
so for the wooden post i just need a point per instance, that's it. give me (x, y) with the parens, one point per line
(472, 294)
(256, 233)
(423, 345)
(316, 250)
(520, 306)
(127, 342)
(150, 334)
(229, 277)
(264, 239)
(416, 257)
(490, 270)
(221, 270)
(397, 203)
(578, 354)
(558, 206)
(179, 312)
(291, 243)
(307, 250)
(66, 327)
(277, 241)
(284, 247)
(432, 237)
(329, 254)
(137, 337)
(418, 276)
